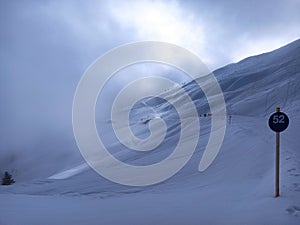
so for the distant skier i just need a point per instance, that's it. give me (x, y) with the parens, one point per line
(229, 119)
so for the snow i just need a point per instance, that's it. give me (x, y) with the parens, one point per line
(70, 172)
(177, 207)
(238, 188)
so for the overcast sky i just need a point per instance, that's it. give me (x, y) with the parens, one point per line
(47, 45)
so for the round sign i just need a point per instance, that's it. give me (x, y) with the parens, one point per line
(278, 121)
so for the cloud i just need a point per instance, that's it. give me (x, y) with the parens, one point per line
(156, 20)
(238, 29)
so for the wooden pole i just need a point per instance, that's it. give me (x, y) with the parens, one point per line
(277, 161)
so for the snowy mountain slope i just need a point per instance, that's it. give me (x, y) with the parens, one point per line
(238, 186)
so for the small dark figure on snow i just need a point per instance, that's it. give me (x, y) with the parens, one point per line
(7, 179)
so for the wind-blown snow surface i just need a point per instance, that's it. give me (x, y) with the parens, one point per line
(237, 188)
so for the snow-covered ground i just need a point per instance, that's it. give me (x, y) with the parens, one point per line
(238, 188)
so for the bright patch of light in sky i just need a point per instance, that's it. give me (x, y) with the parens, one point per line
(160, 21)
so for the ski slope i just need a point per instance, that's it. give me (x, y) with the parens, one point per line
(237, 188)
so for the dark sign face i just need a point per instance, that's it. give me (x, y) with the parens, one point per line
(278, 121)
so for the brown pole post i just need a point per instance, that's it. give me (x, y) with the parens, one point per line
(277, 161)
